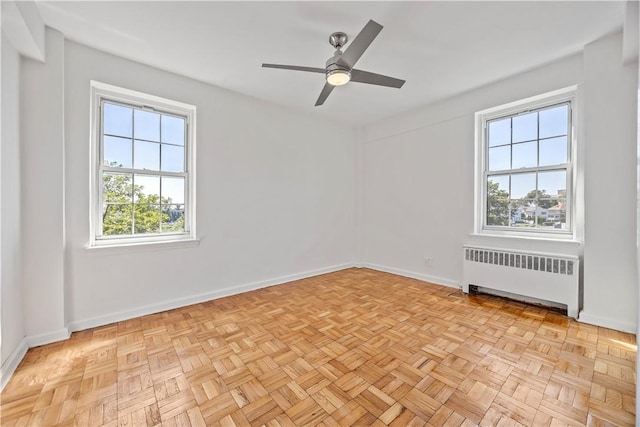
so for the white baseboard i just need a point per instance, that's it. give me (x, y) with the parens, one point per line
(9, 366)
(412, 274)
(607, 322)
(80, 325)
(47, 337)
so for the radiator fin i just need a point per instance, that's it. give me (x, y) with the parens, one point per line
(548, 264)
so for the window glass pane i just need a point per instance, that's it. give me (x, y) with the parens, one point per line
(500, 158)
(498, 200)
(146, 189)
(146, 155)
(117, 152)
(529, 211)
(172, 158)
(499, 132)
(116, 187)
(147, 218)
(172, 130)
(523, 213)
(553, 151)
(525, 155)
(557, 207)
(497, 211)
(147, 125)
(525, 127)
(498, 185)
(172, 190)
(172, 218)
(117, 120)
(116, 219)
(512, 216)
(556, 214)
(553, 121)
(522, 184)
(553, 184)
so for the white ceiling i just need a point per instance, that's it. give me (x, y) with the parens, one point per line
(439, 48)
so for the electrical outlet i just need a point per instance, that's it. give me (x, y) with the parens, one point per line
(428, 261)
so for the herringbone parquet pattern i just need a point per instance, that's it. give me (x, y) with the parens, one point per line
(355, 347)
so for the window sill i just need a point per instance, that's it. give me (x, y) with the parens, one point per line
(540, 238)
(107, 249)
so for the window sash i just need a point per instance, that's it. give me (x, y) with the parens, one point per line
(102, 168)
(568, 201)
(123, 171)
(567, 167)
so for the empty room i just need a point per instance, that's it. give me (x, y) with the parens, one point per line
(321, 213)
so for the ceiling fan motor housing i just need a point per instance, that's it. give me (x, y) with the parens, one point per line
(332, 63)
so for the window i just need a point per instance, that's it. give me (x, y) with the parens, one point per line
(143, 155)
(525, 154)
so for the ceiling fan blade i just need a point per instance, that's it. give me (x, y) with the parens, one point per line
(362, 41)
(375, 79)
(295, 68)
(326, 90)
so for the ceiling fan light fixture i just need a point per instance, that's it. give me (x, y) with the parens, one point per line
(338, 77)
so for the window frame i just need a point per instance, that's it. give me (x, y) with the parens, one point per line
(101, 93)
(482, 173)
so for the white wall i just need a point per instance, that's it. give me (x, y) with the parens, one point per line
(12, 324)
(418, 182)
(275, 193)
(415, 196)
(42, 182)
(610, 284)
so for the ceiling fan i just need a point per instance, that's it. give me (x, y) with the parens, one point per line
(339, 68)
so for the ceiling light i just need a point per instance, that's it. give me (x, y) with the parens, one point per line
(338, 77)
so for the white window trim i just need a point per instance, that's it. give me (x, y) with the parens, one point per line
(102, 91)
(569, 94)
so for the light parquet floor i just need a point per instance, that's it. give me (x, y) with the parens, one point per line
(355, 347)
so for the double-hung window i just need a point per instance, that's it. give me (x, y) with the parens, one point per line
(526, 167)
(143, 154)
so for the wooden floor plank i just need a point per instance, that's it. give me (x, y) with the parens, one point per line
(354, 347)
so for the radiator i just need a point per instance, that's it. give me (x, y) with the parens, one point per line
(546, 277)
